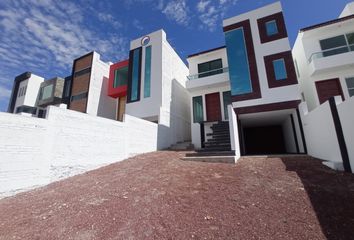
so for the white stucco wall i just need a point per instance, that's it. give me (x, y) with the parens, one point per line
(320, 134)
(98, 102)
(37, 151)
(346, 115)
(234, 132)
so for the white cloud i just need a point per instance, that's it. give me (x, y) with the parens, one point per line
(137, 24)
(177, 10)
(4, 92)
(211, 13)
(108, 18)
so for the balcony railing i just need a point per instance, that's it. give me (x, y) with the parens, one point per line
(331, 52)
(208, 73)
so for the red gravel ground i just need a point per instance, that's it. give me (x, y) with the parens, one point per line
(159, 196)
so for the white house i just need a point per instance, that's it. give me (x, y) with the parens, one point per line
(324, 58)
(255, 74)
(24, 94)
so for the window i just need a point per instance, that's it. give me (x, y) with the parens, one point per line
(210, 68)
(82, 72)
(147, 78)
(46, 92)
(198, 109)
(26, 109)
(79, 96)
(271, 28)
(226, 96)
(350, 85)
(20, 92)
(297, 69)
(334, 45)
(120, 77)
(240, 77)
(67, 86)
(24, 90)
(350, 39)
(279, 69)
(134, 82)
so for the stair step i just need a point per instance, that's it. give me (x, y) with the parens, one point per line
(200, 153)
(212, 140)
(214, 149)
(217, 144)
(211, 159)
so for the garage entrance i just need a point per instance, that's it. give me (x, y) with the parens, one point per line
(264, 140)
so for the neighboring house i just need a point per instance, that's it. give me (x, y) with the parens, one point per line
(324, 56)
(89, 87)
(256, 66)
(50, 93)
(156, 87)
(24, 94)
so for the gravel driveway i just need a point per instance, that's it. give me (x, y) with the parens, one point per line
(159, 196)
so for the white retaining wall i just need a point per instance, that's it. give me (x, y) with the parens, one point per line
(37, 151)
(234, 136)
(320, 134)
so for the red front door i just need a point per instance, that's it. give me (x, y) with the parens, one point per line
(328, 88)
(213, 107)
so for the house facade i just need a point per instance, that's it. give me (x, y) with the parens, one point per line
(324, 58)
(24, 94)
(255, 74)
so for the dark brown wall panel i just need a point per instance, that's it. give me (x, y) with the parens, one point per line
(83, 63)
(80, 84)
(79, 105)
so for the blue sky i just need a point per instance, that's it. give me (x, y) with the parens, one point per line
(44, 36)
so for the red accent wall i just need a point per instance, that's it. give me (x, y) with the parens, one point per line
(119, 91)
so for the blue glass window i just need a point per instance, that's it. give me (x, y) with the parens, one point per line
(197, 109)
(239, 71)
(134, 91)
(271, 28)
(120, 77)
(147, 79)
(280, 69)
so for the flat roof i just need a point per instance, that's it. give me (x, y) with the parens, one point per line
(327, 23)
(206, 51)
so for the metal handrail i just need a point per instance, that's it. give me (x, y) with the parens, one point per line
(208, 73)
(316, 55)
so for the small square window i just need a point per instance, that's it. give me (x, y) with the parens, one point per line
(271, 28)
(280, 69)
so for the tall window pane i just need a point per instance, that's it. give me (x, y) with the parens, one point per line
(279, 69)
(350, 38)
(134, 91)
(147, 78)
(227, 101)
(197, 109)
(239, 71)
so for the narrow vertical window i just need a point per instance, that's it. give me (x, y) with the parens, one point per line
(147, 78)
(134, 75)
(198, 109)
(226, 96)
(297, 69)
(279, 69)
(239, 69)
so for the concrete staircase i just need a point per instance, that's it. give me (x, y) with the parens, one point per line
(217, 148)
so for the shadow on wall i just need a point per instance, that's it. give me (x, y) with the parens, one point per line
(174, 122)
(331, 194)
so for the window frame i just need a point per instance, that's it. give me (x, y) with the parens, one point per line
(350, 88)
(195, 120)
(210, 71)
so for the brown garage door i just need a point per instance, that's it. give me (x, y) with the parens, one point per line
(328, 88)
(213, 108)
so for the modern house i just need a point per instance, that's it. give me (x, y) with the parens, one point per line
(255, 74)
(156, 87)
(50, 93)
(89, 87)
(324, 58)
(24, 94)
